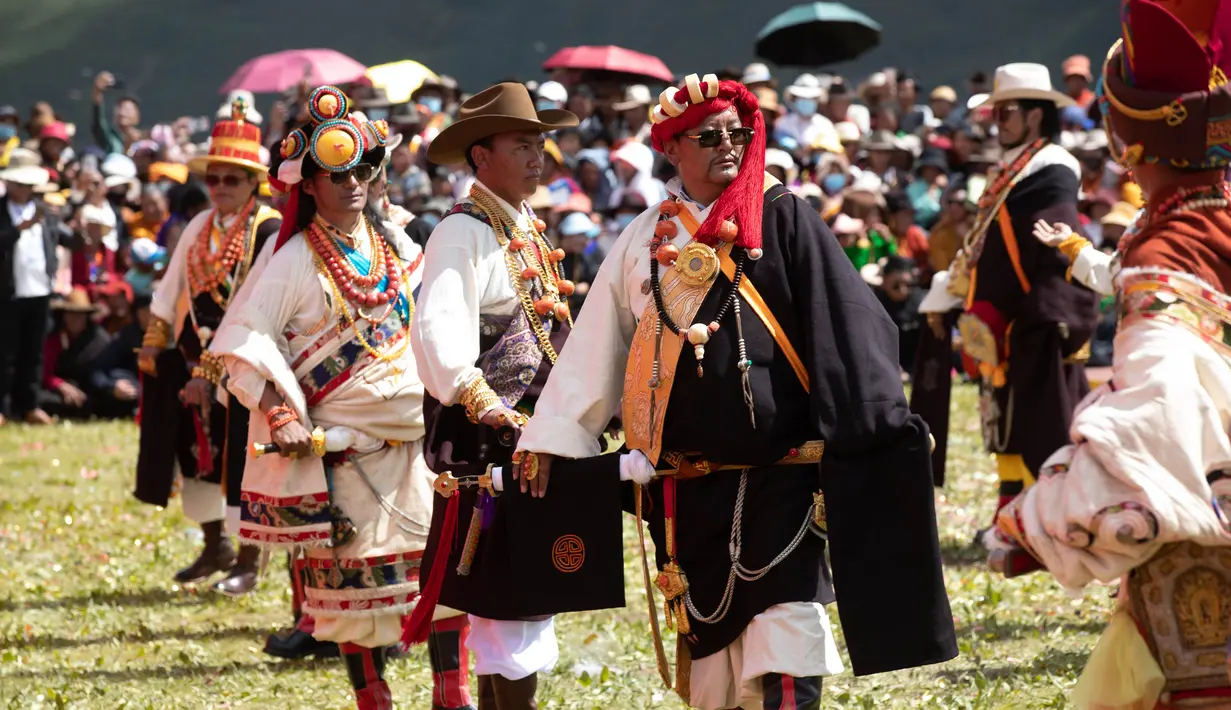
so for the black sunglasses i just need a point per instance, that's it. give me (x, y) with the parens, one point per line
(713, 138)
(1003, 112)
(228, 180)
(363, 172)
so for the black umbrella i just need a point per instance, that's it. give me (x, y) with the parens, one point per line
(816, 34)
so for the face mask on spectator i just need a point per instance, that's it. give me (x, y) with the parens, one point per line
(430, 220)
(431, 103)
(545, 105)
(623, 220)
(833, 184)
(805, 107)
(7, 131)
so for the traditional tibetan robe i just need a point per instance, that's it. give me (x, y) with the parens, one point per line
(842, 394)
(1142, 494)
(362, 514)
(1016, 290)
(208, 449)
(471, 323)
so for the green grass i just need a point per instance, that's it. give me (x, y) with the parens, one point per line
(89, 616)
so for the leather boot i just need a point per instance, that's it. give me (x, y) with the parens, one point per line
(366, 669)
(218, 556)
(376, 696)
(242, 578)
(516, 694)
(450, 663)
(298, 642)
(487, 693)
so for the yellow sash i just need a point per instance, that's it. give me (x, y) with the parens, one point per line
(644, 408)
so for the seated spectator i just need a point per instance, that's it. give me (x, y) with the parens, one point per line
(595, 176)
(900, 296)
(75, 343)
(932, 177)
(115, 299)
(149, 261)
(115, 377)
(555, 175)
(781, 165)
(184, 202)
(946, 236)
(148, 222)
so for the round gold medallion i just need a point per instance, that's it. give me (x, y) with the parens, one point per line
(697, 263)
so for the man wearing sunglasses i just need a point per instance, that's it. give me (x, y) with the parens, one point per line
(316, 347)
(182, 418)
(743, 347)
(1024, 326)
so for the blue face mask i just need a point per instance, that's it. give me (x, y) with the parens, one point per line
(623, 220)
(432, 103)
(430, 220)
(805, 107)
(833, 184)
(7, 131)
(545, 105)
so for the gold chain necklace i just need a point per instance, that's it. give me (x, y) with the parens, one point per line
(547, 273)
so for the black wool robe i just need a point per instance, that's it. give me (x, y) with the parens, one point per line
(875, 474)
(168, 433)
(1049, 324)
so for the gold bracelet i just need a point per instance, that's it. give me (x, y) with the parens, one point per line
(212, 367)
(157, 334)
(477, 398)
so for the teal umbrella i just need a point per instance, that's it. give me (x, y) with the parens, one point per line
(816, 34)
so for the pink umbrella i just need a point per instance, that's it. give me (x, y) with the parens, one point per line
(277, 72)
(610, 58)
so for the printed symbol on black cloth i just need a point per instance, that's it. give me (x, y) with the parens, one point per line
(568, 554)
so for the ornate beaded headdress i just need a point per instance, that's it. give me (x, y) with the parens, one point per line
(1164, 89)
(335, 138)
(681, 109)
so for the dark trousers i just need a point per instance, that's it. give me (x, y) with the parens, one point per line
(23, 329)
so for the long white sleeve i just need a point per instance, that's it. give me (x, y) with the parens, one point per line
(1093, 268)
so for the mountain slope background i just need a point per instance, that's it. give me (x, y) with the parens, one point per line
(174, 54)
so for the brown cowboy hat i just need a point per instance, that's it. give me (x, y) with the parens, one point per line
(502, 108)
(77, 301)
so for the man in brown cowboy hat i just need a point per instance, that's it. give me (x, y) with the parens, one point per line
(491, 285)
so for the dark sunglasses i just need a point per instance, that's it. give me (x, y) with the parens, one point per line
(713, 138)
(228, 180)
(362, 172)
(1004, 112)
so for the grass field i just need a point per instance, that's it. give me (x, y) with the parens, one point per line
(89, 616)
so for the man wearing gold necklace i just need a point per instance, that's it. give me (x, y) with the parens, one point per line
(184, 417)
(1025, 328)
(317, 348)
(492, 316)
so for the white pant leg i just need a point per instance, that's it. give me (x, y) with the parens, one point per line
(203, 502)
(793, 639)
(513, 649)
(232, 524)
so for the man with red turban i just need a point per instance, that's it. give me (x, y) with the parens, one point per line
(744, 347)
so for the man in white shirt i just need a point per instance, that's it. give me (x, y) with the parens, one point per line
(28, 262)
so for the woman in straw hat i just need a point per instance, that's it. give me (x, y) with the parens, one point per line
(207, 438)
(1141, 495)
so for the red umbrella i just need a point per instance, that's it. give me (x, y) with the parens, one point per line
(277, 72)
(610, 58)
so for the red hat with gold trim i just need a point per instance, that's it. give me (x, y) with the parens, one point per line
(234, 142)
(1165, 91)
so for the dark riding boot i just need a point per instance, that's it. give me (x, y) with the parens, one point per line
(783, 692)
(243, 576)
(516, 694)
(217, 556)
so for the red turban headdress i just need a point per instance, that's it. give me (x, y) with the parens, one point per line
(682, 109)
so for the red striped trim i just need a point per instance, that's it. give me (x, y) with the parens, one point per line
(363, 562)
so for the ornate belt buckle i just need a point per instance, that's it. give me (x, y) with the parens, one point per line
(445, 484)
(978, 340)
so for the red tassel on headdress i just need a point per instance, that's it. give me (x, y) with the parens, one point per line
(742, 201)
(418, 625)
(289, 212)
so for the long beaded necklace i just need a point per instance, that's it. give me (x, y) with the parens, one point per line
(357, 288)
(208, 270)
(662, 252)
(533, 266)
(990, 200)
